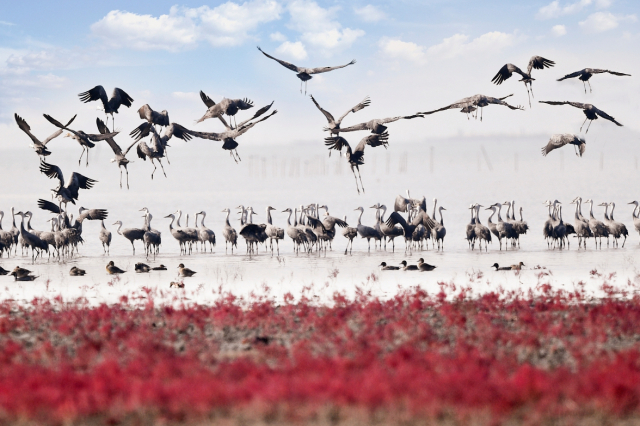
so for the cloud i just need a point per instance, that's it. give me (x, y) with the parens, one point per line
(229, 24)
(277, 36)
(318, 28)
(399, 49)
(604, 21)
(559, 30)
(292, 50)
(459, 44)
(555, 10)
(369, 13)
(8, 24)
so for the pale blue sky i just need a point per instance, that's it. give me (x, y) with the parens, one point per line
(412, 56)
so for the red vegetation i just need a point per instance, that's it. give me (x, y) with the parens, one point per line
(498, 357)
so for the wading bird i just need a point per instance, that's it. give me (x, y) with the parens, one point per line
(228, 137)
(84, 139)
(377, 125)
(69, 192)
(333, 124)
(110, 105)
(536, 62)
(590, 111)
(561, 139)
(230, 235)
(39, 147)
(305, 74)
(356, 157)
(158, 148)
(154, 117)
(473, 103)
(226, 106)
(585, 74)
(120, 157)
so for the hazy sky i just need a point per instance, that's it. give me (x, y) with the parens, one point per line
(411, 56)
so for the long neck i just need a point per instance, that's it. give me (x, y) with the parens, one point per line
(508, 210)
(227, 220)
(119, 227)
(295, 217)
(384, 212)
(101, 223)
(441, 220)
(29, 223)
(289, 218)
(178, 220)
(591, 211)
(521, 219)
(560, 213)
(606, 211)
(513, 210)
(22, 230)
(472, 211)
(360, 217)
(580, 207)
(613, 206)
(577, 215)
(493, 212)
(202, 220)
(269, 217)
(435, 202)
(14, 217)
(1, 217)
(499, 209)
(550, 216)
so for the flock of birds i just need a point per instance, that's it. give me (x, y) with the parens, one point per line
(306, 226)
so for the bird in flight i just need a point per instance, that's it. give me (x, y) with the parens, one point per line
(39, 147)
(561, 139)
(111, 105)
(66, 192)
(585, 74)
(305, 74)
(537, 62)
(472, 103)
(589, 110)
(334, 125)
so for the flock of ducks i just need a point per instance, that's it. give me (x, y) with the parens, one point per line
(421, 266)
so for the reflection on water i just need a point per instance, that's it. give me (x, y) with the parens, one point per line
(457, 172)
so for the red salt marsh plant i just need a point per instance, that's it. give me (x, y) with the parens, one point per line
(443, 358)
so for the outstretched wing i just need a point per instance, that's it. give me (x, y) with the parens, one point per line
(283, 63)
(326, 113)
(394, 219)
(58, 124)
(401, 204)
(103, 129)
(120, 97)
(606, 116)
(93, 214)
(355, 128)
(126, 151)
(538, 62)
(572, 75)
(373, 140)
(141, 154)
(25, 128)
(258, 113)
(207, 135)
(141, 131)
(77, 182)
(573, 104)
(365, 103)
(178, 131)
(497, 101)
(246, 127)
(49, 206)
(336, 142)
(401, 117)
(97, 93)
(314, 223)
(101, 137)
(145, 112)
(460, 104)
(206, 99)
(505, 73)
(557, 141)
(53, 136)
(331, 221)
(327, 69)
(52, 171)
(617, 73)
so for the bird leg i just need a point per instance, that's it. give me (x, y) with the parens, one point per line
(356, 178)
(585, 86)
(80, 159)
(591, 121)
(120, 178)
(480, 114)
(167, 156)
(300, 86)
(160, 161)
(590, 90)
(154, 168)
(126, 170)
(360, 176)
(237, 155)
(585, 120)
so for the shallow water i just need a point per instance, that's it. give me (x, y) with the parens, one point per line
(457, 172)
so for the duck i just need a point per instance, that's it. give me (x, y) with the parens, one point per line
(185, 272)
(77, 272)
(501, 268)
(142, 267)
(112, 269)
(20, 271)
(3, 271)
(517, 267)
(176, 284)
(384, 267)
(27, 277)
(406, 267)
(425, 267)
(159, 268)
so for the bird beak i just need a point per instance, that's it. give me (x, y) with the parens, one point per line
(168, 216)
